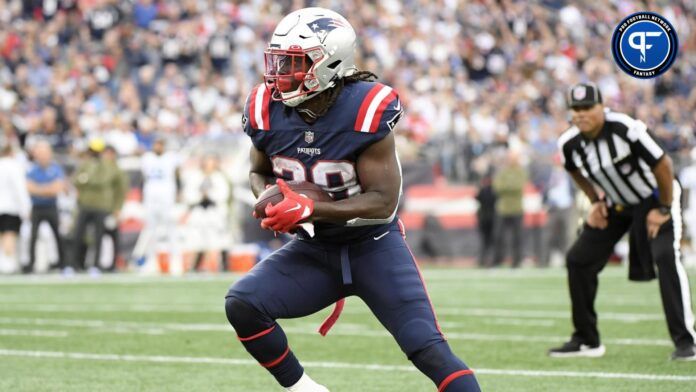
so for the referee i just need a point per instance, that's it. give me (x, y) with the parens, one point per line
(616, 153)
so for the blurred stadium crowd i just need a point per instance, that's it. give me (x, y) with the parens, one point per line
(477, 78)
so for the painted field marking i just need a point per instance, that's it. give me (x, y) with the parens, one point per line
(334, 365)
(353, 330)
(34, 332)
(440, 311)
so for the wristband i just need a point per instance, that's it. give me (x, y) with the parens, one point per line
(665, 209)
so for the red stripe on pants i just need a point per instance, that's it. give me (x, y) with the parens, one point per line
(276, 361)
(452, 377)
(258, 335)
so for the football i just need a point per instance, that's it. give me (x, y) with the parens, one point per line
(274, 196)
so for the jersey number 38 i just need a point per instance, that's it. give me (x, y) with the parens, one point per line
(336, 177)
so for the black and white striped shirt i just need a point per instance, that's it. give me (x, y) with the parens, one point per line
(619, 160)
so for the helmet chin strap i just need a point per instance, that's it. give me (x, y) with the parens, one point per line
(294, 102)
(318, 107)
(307, 112)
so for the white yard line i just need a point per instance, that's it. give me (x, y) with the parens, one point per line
(542, 314)
(518, 322)
(430, 274)
(450, 325)
(440, 311)
(560, 373)
(106, 308)
(334, 365)
(116, 279)
(33, 332)
(352, 330)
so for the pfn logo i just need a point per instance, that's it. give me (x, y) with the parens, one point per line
(644, 45)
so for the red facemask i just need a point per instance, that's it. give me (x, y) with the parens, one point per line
(286, 72)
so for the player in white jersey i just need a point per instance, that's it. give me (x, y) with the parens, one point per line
(160, 171)
(687, 177)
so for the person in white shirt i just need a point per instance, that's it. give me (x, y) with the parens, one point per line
(687, 177)
(121, 136)
(207, 192)
(204, 97)
(15, 205)
(160, 172)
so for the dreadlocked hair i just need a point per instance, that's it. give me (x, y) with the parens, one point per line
(361, 76)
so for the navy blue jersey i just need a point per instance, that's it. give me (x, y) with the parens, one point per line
(325, 152)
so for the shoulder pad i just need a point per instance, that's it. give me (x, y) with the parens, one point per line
(257, 109)
(376, 108)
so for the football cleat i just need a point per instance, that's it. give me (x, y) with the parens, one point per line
(306, 384)
(687, 353)
(574, 349)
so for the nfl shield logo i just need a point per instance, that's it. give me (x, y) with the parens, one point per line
(579, 93)
(309, 136)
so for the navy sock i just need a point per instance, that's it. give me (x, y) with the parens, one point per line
(265, 340)
(273, 353)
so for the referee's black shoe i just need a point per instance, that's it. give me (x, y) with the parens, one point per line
(686, 353)
(574, 349)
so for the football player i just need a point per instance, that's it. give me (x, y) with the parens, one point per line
(160, 170)
(317, 118)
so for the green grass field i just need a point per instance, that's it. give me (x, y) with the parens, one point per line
(125, 333)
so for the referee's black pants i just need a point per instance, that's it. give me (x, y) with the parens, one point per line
(590, 253)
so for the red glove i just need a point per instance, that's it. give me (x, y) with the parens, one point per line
(285, 216)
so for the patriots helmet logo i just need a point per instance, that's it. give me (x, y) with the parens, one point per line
(322, 26)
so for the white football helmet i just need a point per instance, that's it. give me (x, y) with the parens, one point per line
(310, 49)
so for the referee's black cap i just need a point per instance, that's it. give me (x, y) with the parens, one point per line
(583, 95)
